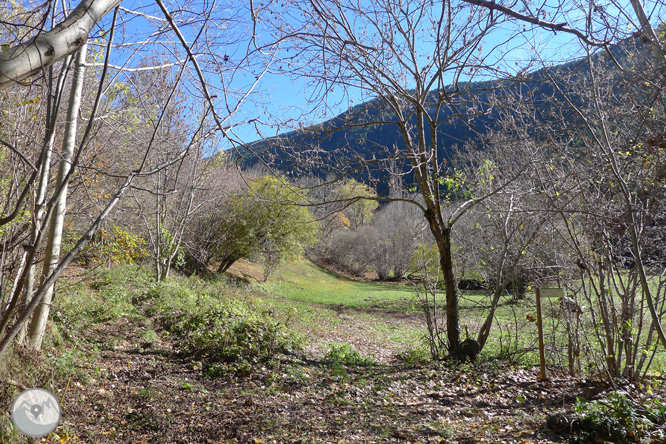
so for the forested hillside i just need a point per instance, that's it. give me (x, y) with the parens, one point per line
(348, 143)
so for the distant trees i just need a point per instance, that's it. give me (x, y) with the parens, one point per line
(357, 201)
(358, 234)
(338, 206)
(386, 245)
(396, 231)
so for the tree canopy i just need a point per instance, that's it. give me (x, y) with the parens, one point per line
(266, 221)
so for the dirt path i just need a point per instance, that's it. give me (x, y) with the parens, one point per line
(141, 394)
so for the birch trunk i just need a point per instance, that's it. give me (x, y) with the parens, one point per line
(31, 57)
(40, 198)
(40, 317)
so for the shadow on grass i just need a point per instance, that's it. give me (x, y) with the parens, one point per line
(332, 273)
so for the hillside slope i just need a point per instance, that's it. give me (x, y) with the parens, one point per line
(367, 131)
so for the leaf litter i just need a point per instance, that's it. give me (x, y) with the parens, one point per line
(150, 395)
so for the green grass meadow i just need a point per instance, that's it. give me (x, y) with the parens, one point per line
(317, 294)
(381, 320)
(305, 281)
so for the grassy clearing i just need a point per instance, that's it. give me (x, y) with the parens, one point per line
(378, 318)
(307, 282)
(325, 303)
(324, 300)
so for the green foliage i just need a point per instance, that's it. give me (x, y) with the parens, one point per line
(361, 208)
(170, 249)
(218, 324)
(113, 248)
(619, 419)
(213, 322)
(345, 354)
(266, 221)
(108, 295)
(414, 357)
(232, 335)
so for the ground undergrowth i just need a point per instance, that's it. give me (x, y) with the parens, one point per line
(191, 361)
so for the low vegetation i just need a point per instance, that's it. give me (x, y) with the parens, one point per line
(352, 369)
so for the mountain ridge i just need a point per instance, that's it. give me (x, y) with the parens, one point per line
(352, 141)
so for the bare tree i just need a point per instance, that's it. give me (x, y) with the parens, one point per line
(415, 59)
(397, 230)
(612, 173)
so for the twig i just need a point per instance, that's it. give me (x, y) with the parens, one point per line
(16, 384)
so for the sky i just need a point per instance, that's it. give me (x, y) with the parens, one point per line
(278, 97)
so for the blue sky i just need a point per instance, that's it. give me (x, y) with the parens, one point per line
(279, 97)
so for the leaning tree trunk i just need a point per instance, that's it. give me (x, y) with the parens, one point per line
(38, 323)
(443, 240)
(31, 57)
(226, 262)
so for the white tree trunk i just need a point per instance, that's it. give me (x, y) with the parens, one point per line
(38, 323)
(66, 38)
(40, 198)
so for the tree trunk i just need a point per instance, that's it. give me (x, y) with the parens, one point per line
(443, 238)
(451, 285)
(45, 172)
(484, 331)
(40, 317)
(226, 263)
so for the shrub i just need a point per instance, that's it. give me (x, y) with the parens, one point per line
(414, 357)
(113, 248)
(618, 418)
(230, 336)
(345, 354)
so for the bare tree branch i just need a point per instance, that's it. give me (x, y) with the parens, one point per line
(564, 26)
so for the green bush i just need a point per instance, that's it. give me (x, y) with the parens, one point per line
(106, 295)
(617, 418)
(115, 247)
(229, 336)
(345, 354)
(413, 357)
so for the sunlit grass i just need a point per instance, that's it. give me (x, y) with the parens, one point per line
(317, 295)
(307, 282)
